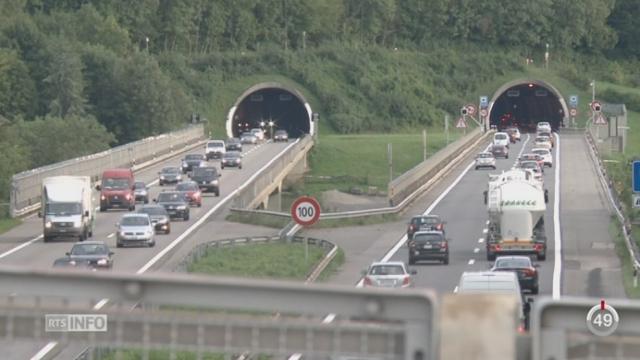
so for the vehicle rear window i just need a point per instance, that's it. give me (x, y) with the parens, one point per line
(186, 187)
(430, 238)
(386, 270)
(172, 196)
(204, 172)
(484, 156)
(215, 144)
(170, 170)
(500, 136)
(512, 263)
(425, 220)
(194, 157)
(541, 152)
(156, 210)
(135, 221)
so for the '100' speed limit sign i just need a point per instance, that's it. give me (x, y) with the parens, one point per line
(305, 211)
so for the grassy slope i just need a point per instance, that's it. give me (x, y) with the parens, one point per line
(8, 224)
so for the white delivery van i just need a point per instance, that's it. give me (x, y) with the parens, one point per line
(67, 207)
(501, 138)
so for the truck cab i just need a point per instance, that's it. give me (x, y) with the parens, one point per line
(117, 189)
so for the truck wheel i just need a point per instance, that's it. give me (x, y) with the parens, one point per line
(168, 230)
(90, 233)
(446, 261)
(217, 192)
(535, 290)
(118, 244)
(146, 200)
(46, 238)
(199, 204)
(186, 217)
(103, 208)
(132, 207)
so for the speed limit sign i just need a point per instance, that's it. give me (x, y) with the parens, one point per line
(305, 211)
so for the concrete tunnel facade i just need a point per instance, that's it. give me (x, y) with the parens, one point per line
(270, 102)
(525, 102)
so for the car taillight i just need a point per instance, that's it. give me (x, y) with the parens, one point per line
(406, 280)
(444, 246)
(412, 227)
(496, 247)
(529, 272)
(537, 247)
(439, 227)
(128, 196)
(367, 281)
(197, 194)
(102, 197)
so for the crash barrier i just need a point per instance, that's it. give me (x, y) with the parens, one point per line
(203, 314)
(26, 186)
(273, 174)
(607, 183)
(405, 184)
(201, 250)
(446, 164)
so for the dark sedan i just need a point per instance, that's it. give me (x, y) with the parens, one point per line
(231, 159)
(233, 144)
(527, 271)
(192, 161)
(280, 135)
(425, 223)
(428, 245)
(500, 151)
(175, 203)
(87, 254)
(159, 217)
(191, 191)
(169, 175)
(207, 179)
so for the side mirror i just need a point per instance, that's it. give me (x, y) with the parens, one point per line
(98, 187)
(39, 214)
(155, 200)
(413, 272)
(536, 265)
(68, 253)
(86, 213)
(111, 253)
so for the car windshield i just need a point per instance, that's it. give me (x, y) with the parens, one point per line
(89, 249)
(529, 165)
(215, 144)
(427, 238)
(500, 137)
(484, 156)
(134, 221)
(281, 132)
(153, 210)
(139, 185)
(426, 220)
(170, 170)
(386, 270)
(231, 155)
(247, 134)
(498, 147)
(170, 197)
(513, 263)
(204, 172)
(194, 156)
(63, 209)
(541, 152)
(187, 187)
(115, 183)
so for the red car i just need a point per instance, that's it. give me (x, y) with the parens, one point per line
(191, 191)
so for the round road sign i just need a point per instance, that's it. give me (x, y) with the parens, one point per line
(471, 109)
(483, 112)
(573, 112)
(596, 105)
(305, 211)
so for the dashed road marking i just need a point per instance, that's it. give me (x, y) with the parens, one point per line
(111, 235)
(472, 261)
(476, 250)
(481, 240)
(484, 231)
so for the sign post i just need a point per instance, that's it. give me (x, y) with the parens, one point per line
(636, 176)
(305, 211)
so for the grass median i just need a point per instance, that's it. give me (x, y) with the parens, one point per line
(623, 253)
(8, 224)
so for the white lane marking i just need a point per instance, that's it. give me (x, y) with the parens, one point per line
(100, 304)
(557, 265)
(524, 145)
(328, 319)
(455, 290)
(20, 247)
(476, 250)
(111, 235)
(43, 352)
(481, 240)
(471, 261)
(202, 219)
(487, 222)
(485, 230)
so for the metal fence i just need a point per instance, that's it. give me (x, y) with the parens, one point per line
(26, 186)
(275, 171)
(611, 137)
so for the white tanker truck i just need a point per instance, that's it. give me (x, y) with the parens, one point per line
(516, 204)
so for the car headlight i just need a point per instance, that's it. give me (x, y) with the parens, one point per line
(77, 223)
(161, 177)
(181, 207)
(215, 182)
(102, 262)
(103, 197)
(179, 177)
(184, 164)
(72, 262)
(149, 232)
(48, 225)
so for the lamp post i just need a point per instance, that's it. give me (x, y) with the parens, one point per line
(271, 124)
(146, 40)
(546, 56)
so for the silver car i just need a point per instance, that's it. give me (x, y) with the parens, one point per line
(485, 159)
(393, 274)
(248, 138)
(135, 229)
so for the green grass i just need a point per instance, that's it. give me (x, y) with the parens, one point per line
(8, 224)
(333, 266)
(272, 260)
(361, 160)
(134, 354)
(623, 254)
(277, 222)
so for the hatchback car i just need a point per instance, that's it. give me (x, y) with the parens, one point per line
(175, 204)
(499, 151)
(280, 135)
(259, 133)
(191, 192)
(248, 138)
(231, 159)
(501, 138)
(545, 154)
(392, 274)
(141, 192)
(192, 161)
(169, 175)
(91, 254)
(523, 267)
(514, 132)
(533, 166)
(543, 142)
(428, 245)
(233, 144)
(135, 229)
(159, 217)
(424, 223)
(485, 160)
(532, 157)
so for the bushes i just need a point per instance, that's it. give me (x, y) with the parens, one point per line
(631, 100)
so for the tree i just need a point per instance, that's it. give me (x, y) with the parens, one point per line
(624, 20)
(65, 82)
(17, 90)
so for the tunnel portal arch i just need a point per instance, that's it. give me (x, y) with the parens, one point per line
(270, 102)
(525, 102)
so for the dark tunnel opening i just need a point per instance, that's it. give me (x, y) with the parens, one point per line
(525, 105)
(271, 105)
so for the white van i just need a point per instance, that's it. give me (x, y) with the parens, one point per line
(215, 149)
(67, 207)
(501, 138)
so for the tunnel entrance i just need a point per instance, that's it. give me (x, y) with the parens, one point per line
(524, 103)
(270, 106)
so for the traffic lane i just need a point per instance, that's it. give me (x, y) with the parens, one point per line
(591, 265)
(465, 213)
(467, 248)
(41, 255)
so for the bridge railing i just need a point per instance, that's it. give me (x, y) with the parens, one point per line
(26, 186)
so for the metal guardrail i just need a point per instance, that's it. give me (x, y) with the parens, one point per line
(248, 195)
(607, 183)
(445, 165)
(26, 186)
